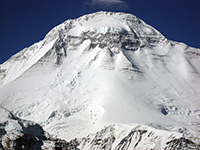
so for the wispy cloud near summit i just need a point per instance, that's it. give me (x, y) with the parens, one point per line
(120, 4)
(108, 2)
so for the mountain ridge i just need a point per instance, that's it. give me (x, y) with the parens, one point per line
(106, 69)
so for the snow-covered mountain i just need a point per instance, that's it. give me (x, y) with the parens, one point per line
(103, 81)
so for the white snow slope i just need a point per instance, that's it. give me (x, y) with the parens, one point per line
(106, 74)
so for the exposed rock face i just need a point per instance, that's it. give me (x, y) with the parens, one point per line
(19, 134)
(102, 81)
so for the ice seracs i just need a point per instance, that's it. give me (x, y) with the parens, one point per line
(104, 78)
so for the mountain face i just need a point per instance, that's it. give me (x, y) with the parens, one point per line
(102, 81)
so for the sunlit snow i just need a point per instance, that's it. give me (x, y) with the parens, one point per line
(117, 70)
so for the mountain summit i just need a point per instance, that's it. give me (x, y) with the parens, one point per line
(103, 81)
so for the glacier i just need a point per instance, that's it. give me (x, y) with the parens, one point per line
(102, 81)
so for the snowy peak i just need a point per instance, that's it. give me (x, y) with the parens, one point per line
(114, 31)
(102, 70)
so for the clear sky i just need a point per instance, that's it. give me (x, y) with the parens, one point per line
(24, 22)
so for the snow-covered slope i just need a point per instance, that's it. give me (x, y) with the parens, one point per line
(107, 76)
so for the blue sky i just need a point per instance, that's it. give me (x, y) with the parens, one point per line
(24, 22)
